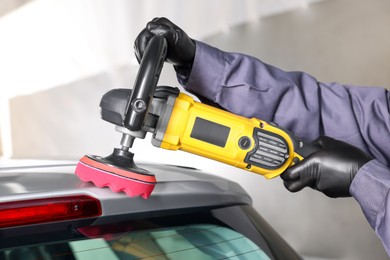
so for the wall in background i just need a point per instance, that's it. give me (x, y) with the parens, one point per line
(57, 42)
(7, 6)
(345, 41)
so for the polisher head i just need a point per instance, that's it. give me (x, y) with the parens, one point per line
(115, 174)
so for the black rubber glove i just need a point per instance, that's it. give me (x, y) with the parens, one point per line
(181, 48)
(329, 170)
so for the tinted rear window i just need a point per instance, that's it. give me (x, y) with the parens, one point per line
(197, 241)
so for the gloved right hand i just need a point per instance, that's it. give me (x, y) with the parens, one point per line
(181, 48)
(330, 170)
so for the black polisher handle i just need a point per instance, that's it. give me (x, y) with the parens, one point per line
(145, 83)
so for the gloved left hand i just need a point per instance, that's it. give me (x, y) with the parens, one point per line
(181, 48)
(329, 170)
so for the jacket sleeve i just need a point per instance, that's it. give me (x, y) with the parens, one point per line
(370, 188)
(298, 102)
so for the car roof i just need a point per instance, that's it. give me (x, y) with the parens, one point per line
(177, 187)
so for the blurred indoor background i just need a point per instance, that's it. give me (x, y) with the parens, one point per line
(58, 57)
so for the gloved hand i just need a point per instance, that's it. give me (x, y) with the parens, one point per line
(181, 48)
(329, 170)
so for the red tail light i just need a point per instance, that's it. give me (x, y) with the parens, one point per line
(46, 210)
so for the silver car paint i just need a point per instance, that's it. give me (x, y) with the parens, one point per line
(177, 188)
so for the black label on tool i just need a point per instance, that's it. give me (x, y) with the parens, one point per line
(270, 151)
(210, 132)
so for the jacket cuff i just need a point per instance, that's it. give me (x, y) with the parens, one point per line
(207, 72)
(370, 188)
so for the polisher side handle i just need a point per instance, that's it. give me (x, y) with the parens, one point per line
(145, 83)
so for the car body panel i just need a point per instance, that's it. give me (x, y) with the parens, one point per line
(175, 188)
(183, 198)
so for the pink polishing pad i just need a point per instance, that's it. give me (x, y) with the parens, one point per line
(117, 179)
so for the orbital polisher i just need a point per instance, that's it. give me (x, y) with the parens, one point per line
(178, 122)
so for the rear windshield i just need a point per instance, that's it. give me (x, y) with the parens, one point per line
(193, 241)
